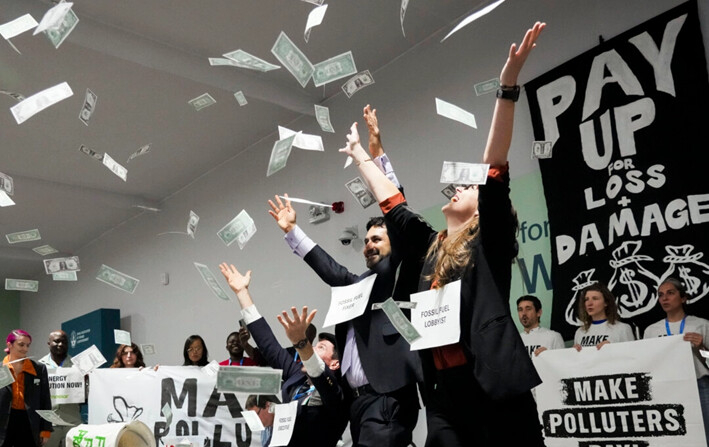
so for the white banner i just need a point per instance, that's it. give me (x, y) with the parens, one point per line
(66, 386)
(198, 409)
(641, 393)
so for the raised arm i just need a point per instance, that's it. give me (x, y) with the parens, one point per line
(375, 140)
(239, 283)
(500, 136)
(284, 214)
(295, 330)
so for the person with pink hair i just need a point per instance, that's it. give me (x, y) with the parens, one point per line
(20, 425)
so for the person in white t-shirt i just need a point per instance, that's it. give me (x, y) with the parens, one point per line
(536, 338)
(601, 324)
(672, 296)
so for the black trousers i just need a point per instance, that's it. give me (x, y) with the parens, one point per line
(19, 432)
(384, 420)
(459, 413)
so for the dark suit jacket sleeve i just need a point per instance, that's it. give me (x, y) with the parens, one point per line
(275, 355)
(45, 401)
(328, 387)
(329, 270)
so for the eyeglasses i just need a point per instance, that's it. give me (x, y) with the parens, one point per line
(195, 350)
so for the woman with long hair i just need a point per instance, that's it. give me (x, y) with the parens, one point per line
(477, 391)
(672, 296)
(20, 425)
(195, 351)
(600, 322)
(128, 356)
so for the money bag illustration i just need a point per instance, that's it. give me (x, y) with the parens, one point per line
(685, 266)
(634, 286)
(582, 280)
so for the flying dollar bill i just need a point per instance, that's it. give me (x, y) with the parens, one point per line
(18, 26)
(192, 224)
(7, 184)
(335, 68)
(240, 98)
(315, 18)
(399, 320)
(541, 149)
(249, 379)
(64, 276)
(54, 418)
(88, 108)
(202, 101)
(142, 151)
(14, 95)
(279, 155)
(322, 114)
(357, 83)
(6, 377)
(246, 60)
(293, 59)
(474, 16)
(302, 140)
(114, 167)
(455, 113)
(52, 17)
(26, 109)
(211, 281)
(58, 34)
(23, 236)
(54, 265)
(116, 279)
(240, 229)
(464, 173)
(45, 250)
(91, 153)
(359, 190)
(23, 285)
(88, 359)
(485, 87)
(402, 13)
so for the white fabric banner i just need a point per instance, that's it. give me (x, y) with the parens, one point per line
(66, 386)
(198, 409)
(641, 393)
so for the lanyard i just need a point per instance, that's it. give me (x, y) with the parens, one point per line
(295, 358)
(681, 326)
(241, 362)
(304, 393)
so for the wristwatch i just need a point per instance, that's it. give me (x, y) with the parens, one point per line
(508, 92)
(301, 344)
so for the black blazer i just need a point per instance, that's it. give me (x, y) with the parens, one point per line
(319, 426)
(36, 398)
(385, 355)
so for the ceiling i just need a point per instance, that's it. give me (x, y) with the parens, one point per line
(145, 59)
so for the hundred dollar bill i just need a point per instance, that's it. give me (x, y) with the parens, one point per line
(314, 19)
(335, 68)
(91, 153)
(357, 83)
(202, 101)
(6, 377)
(116, 279)
(54, 265)
(399, 320)
(18, 26)
(142, 151)
(279, 155)
(241, 228)
(26, 109)
(240, 98)
(13, 95)
(24, 285)
(464, 173)
(45, 250)
(293, 59)
(88, 359)
(402, 13)
(483, 88)
(302, 140)
(211, 281)
(121, 337)
(249, 379)
(113, 165)
(88, 108)
(23, 236)
(322, 114)
(455, 113)
(359, 190)
(192, 224)
(64, 276)
(54, 418)
(59, 33)
(541, 149)
(6, 184)
(246, 60)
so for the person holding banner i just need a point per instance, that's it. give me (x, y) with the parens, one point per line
(128, 356)
(536, 338)
(59, 357)
(477, 391)
(20, 425)
(322, 412)
(672, 296)
(599, 317)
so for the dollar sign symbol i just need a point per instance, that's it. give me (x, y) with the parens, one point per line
(637, 289)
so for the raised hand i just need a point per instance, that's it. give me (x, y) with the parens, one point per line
(284, 214)
(236, 280)
(295, 328)
(517, 56)
(375, 141)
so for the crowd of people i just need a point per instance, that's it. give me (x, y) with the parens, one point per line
(365, 374)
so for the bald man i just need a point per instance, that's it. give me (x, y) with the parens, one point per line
(59, 357)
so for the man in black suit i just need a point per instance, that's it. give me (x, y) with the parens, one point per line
(313, 383)
(379, 369)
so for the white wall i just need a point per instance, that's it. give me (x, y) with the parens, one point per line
(415, 137)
